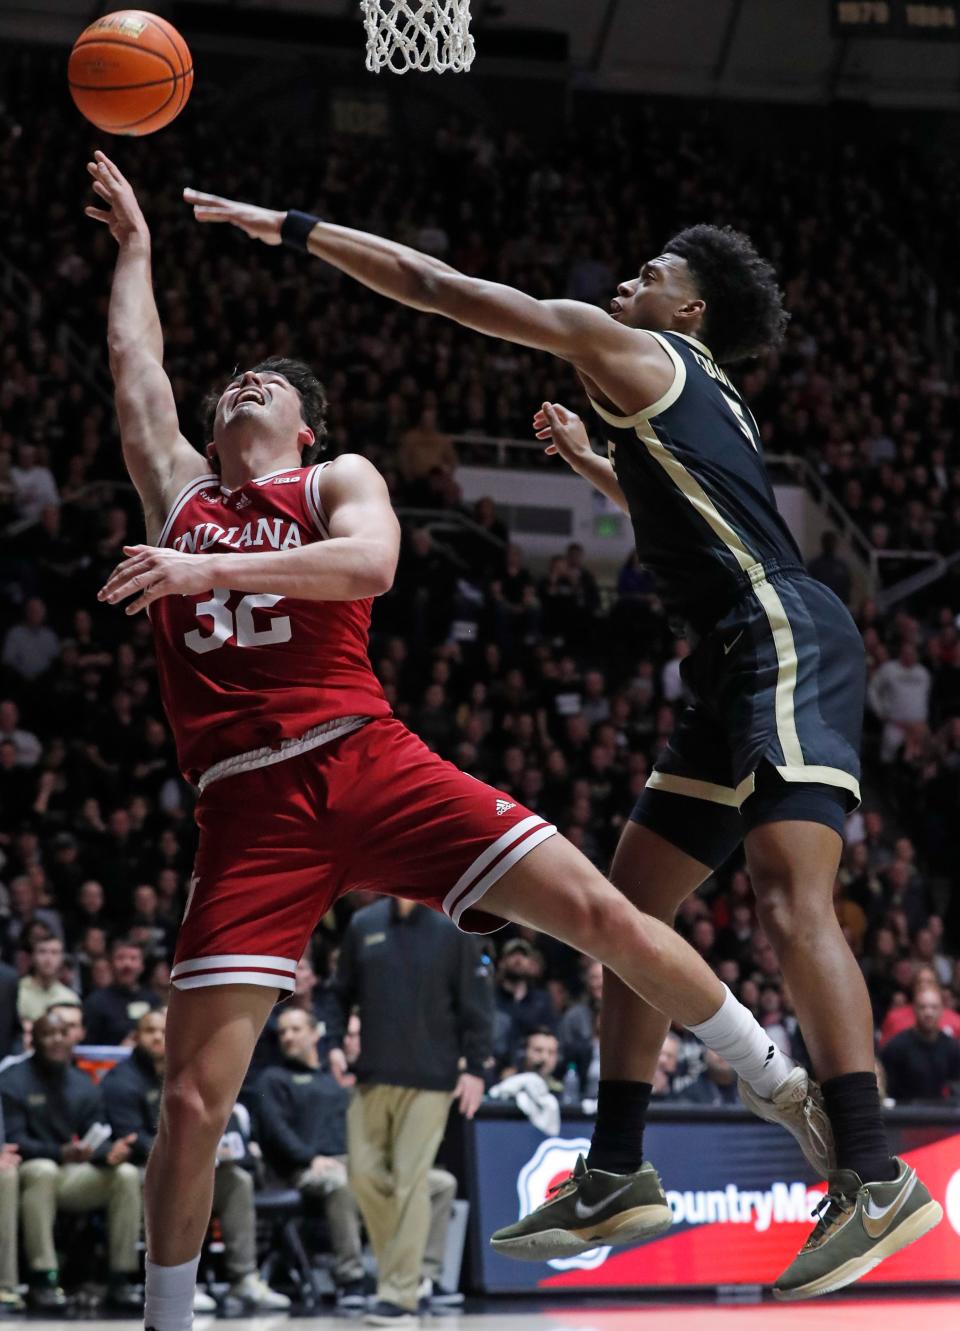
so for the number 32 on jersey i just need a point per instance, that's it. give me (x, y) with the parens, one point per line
(238, 624)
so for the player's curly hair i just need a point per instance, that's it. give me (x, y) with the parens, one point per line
(745, 313)
(313, 400)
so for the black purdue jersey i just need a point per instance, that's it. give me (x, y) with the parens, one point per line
(703, 510)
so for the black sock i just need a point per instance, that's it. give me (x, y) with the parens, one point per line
(852, 1103)
(617, 1145)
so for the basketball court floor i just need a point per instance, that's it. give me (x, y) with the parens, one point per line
(924, 1313)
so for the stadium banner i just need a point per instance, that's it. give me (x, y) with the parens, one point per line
(740, 1191)
(935, 20)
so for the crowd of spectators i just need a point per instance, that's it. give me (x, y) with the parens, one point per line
(861, 386)
(532, 679)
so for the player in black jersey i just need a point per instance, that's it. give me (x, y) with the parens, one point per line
(767, 753)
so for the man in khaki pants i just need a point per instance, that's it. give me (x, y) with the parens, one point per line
(49, 1106)
(10, 1300)
(425, 998)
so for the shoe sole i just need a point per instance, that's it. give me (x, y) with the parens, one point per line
(634, 1226)
(767, 1111)
(913, 1228)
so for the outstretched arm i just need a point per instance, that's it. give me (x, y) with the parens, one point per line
(627, 364)
(568, 436)
(358, 559)
(160, 461)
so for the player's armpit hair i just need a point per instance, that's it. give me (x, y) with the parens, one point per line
(313, 400)
(744, 303)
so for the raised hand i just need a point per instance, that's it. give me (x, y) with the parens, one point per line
(124, 217)
(565, 431)
(257, 223)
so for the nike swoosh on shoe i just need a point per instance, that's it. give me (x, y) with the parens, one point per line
(878, 1219)
(588, 1212)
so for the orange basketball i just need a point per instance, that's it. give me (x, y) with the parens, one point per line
(130, 72)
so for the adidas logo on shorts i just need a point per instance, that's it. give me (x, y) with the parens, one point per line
(503, 806)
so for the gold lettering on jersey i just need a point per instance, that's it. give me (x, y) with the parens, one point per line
(713, 369)
(270, 533)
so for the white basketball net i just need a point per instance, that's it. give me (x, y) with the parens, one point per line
(430, 35)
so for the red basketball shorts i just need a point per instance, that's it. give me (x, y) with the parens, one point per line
(373, 809)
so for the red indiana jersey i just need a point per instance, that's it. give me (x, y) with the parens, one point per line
(242, 671)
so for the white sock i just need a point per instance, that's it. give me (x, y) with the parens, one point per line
(735, 1034)
(169, 1302)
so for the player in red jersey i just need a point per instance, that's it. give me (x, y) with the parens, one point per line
(259, 578)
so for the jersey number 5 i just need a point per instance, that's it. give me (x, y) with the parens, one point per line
(740, 416)
(237, 623)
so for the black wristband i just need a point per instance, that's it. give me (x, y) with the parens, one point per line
(295, 229)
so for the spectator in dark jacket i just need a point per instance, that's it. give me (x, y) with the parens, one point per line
(49, 1107)
(923, 1063)
(303, 1135)
(131, 1090)
(131, 1093)
(111, 1013)
(519, 996)
(424, 995)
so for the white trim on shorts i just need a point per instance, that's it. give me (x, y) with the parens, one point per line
(474, 883)
(288, 748)
(702, 790)
(235, 968)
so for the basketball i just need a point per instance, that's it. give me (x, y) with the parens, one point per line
(130, 73)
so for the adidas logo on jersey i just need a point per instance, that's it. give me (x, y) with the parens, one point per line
(503, 806)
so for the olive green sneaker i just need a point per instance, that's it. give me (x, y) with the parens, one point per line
(858, 1225)
(589, 1209)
